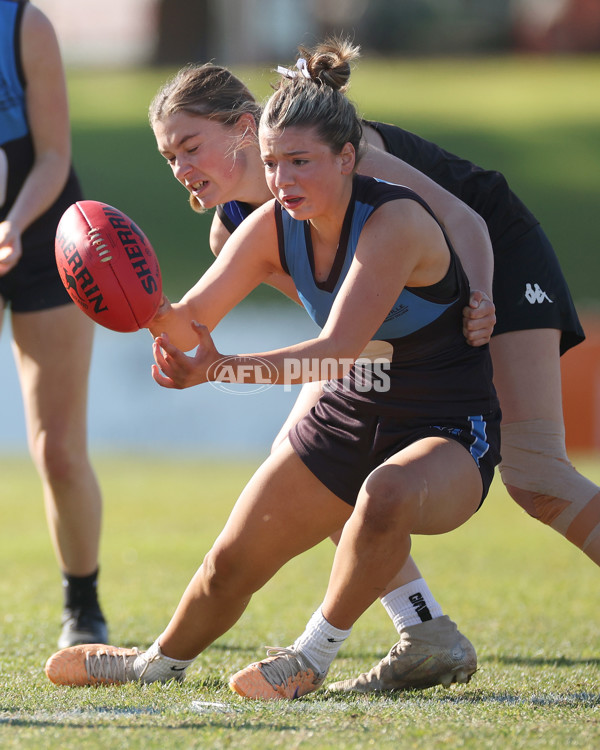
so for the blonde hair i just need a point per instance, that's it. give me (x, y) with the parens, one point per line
(205, 90)
(319, 101)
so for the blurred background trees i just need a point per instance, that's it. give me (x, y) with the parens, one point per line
(174, 32)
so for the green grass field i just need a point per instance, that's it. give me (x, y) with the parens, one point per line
(525, 598)
(535, 119)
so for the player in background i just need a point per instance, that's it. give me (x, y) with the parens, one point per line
(52, 339)
(383, 457)
(218, 164)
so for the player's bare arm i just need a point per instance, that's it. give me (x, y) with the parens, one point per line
(47, 110)
(48, 114)
(401, 245)
(219, 234)
(247, 259)
(466, 230)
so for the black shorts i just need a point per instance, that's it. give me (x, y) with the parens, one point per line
(34, 283)
(341, 442)
(531, 292)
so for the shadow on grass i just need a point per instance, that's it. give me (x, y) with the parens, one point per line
(187, 724)
(580, 699)
(540, 661)
(103, 717)
(508, 659)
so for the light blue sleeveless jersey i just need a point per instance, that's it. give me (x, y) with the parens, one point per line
(13, 120)
(413, 310)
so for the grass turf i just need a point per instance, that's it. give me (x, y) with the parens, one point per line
(526, 598)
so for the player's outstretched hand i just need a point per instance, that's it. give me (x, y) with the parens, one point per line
(175, 369)
(479, 319)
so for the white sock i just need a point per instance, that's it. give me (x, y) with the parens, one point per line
(411, 604)
(153, 666)
(320, 642)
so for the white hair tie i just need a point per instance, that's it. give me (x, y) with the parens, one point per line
(302, 66)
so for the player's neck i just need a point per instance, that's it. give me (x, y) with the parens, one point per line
(254, 188)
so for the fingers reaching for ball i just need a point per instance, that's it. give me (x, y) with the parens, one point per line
(176, 369)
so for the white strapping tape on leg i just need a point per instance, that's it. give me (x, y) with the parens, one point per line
(539, 476)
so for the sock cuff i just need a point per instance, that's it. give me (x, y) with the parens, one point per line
(320, 642)
(80, 590)
(319, 627)
(71, 580)
(158, 654)
(328, 629)
(152, 665)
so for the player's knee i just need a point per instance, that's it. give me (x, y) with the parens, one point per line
(220, 571)
(544, 508)
(541, 479)
(387, 500)
(57, 461)
(226, 574)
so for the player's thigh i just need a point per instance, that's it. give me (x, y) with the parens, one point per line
(283, 511)
(441, 481)
(527, 374)
(53, 351)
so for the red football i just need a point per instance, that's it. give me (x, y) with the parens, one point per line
(107, 265)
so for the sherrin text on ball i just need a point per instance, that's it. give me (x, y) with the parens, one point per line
(108, 266)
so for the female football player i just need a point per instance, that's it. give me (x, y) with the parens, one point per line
(52, 338)
(402, 444)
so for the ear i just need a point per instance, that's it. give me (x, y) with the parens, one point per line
(246, 129)
(348, 158)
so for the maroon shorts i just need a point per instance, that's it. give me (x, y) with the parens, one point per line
(342, 442)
